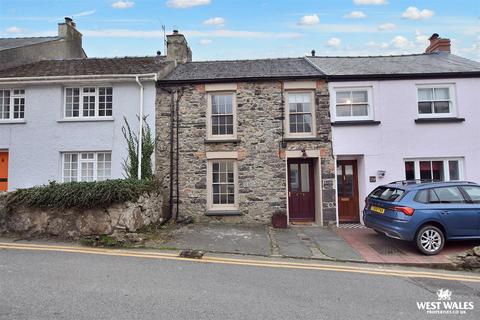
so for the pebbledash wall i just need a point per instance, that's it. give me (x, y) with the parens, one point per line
(35, 144)
(262, 177)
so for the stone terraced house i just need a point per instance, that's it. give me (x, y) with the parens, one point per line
(245, 139)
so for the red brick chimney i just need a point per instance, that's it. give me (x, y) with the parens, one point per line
(438, 44)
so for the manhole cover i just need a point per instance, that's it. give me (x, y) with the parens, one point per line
(385, 248)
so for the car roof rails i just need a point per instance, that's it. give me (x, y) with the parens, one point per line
(418, 181)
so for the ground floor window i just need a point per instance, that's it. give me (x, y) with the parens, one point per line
(87, 166)
(222, 174)
(440, 169)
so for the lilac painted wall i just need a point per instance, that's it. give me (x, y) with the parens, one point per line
(385, 146)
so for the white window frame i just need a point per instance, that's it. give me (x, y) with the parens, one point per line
(211, 136)
(451, 91)
(221, 156)
(313, 107)
(12, 98)
(80, 107)
(446, 169)
(370, 109)
(79, 164)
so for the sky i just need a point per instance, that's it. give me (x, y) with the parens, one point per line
(249, 29)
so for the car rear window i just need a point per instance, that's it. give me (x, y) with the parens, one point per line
(386, 194)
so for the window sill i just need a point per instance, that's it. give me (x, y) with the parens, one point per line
(439, 120)
(355, 123)
(292, 139)
(214, 212)
(97, 119)
(231, 140)
(13, 121)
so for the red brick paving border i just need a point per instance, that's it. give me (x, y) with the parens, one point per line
(365, 240)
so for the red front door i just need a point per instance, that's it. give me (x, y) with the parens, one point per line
(3, 171)
(301, 190)
(347, 188)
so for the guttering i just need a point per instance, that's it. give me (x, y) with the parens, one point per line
(403, 76)
(77, 78)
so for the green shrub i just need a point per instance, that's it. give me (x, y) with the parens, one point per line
(81, 195)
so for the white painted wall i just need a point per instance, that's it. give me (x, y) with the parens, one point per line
(385, 146)
(35, 146)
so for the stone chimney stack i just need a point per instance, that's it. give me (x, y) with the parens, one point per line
(177, 48)
(68, 30)
(438, 44)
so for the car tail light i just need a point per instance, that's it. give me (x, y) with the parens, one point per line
(406, 210)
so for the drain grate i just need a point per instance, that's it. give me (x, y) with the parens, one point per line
(386, 248)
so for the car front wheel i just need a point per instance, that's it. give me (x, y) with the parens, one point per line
(430, 240)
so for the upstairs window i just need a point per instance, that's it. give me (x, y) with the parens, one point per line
(88, 102)
(12, 104)
(222, 118)
(353, 104)
(435, 101)
(300, 114)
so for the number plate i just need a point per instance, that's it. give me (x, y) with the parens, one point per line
(377, 209)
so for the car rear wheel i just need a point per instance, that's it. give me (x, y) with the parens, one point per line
(430, 240)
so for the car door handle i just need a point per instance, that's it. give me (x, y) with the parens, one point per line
(445, 212)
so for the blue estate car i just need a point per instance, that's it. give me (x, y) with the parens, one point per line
(428, 213)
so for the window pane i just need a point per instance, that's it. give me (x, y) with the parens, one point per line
(473, 193)
(424, 107)
(425, 94)
(105, 104)
(360, 110)
(360, 97)
(449, 195)
(104, 165)
(442, 94)
(4, 104)
(454, 170)
(425, 170)
(344, 111)
(409, 170)
(305, 172)
(441, 106)
(294, 178)
(343, 97)
(72, 102)
(223, 184)
(437, 170)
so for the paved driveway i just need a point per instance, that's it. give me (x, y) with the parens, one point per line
(381, 249)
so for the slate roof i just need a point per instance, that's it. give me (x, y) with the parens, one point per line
(10, 43)
(243, 69)
(87, 66)
(416, 64)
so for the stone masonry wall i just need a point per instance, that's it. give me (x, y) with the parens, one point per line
(73, 223)
(261, 162)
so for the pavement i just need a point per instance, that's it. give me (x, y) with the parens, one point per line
(52, 281)
(353, 243)
(254, 239)
(376, 248)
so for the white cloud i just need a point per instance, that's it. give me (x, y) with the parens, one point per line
(14, 29)
(367, 2)
(421, 39)
(84, 13)
(309, 20)
(386, 26)
(400, 42)
(217, 21)
(334, 42)
(414, 13)
(183, 4)
(205, 42)
(356, 15)
(128, 33)
(123, 4)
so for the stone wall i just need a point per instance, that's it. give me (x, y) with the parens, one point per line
(261, 162)
(73, 223)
